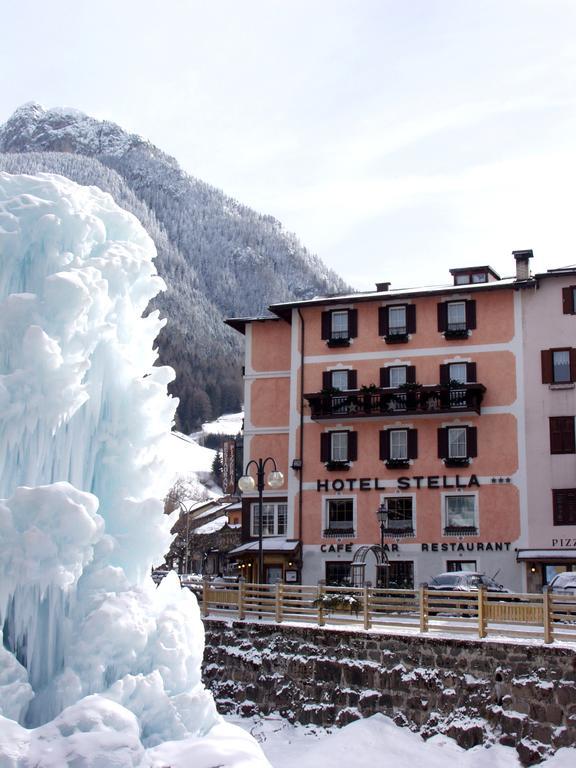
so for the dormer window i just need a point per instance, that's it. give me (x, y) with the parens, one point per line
(468, 275)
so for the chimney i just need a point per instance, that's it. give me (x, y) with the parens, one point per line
(382, 287)
(522, 265)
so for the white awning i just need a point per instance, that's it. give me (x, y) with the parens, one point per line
(548, 555)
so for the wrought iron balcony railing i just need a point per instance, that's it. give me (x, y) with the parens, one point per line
(466, 398)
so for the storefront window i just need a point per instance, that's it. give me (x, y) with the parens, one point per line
(338, 574)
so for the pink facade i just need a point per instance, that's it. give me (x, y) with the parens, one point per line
(427, 405)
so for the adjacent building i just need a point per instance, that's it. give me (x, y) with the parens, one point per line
(437, 422)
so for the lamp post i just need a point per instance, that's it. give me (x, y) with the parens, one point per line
(382, 515)
(185, 511)
(246, 484)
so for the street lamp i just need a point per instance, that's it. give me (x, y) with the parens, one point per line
(382, 515)
(246, 484)
(185, 511)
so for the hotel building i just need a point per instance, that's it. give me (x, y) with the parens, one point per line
(448, 409)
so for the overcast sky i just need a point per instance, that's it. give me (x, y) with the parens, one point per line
(396, 138)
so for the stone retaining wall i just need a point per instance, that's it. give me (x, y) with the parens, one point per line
(520, 695)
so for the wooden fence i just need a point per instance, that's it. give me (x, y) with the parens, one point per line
(547, 616)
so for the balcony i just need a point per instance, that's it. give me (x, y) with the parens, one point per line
(392, 403)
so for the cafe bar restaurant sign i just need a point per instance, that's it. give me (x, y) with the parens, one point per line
(418, 481)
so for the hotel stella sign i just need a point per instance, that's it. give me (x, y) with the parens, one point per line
(418, 481)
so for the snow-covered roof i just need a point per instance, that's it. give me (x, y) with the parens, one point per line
(212, 526)
(506, 282)
(546, 554)
(269, 544)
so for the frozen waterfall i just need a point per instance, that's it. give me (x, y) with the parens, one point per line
(90, 647)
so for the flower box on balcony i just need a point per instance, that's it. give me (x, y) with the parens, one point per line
(396, 338)
(397, 463)
(460, 530)
(344, 342)
(337, 466)
(464, 462)
(456, 333)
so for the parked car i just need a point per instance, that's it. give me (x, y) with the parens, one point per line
(465, 581)
(564, 583)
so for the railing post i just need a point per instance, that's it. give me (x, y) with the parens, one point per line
(205, 594)
(321, 592)
(547, 615)
(424, 607)
(366, 598)
(279, 599)
(481, 611)
(241, 598)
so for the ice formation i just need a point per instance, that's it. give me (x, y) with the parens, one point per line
(97, 666)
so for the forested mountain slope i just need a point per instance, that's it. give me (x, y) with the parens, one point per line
(210, 247)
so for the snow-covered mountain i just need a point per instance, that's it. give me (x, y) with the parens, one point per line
(210, 247)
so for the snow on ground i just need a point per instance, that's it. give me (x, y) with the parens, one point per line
(186, 456)
(227, 424)
(376, 741)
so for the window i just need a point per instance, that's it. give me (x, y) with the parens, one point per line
(338, 448)
(562, 434)
(400, 514)
(564, 504)
(458, 372)
(340, 380)
(456, 318)
(339, 517)
(274, 517)
(479, 277)
(462, 373)
(338, 574)
(339, 326)
(462, 279)
(397, 446)
(558, 366)
(569, 300)
(401, 574)
(394, 376)
(396, 321)
(454, 566)
(460, 515)
(457, 445)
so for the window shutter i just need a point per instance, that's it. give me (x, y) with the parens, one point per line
(471, 372)
(442, 316)
(326, 325)
(470, 314)
(352, 446)
(547, 371)
(442, 443)
(352, 379)
(411, 374)
(573, 365)
(562, 434)
(412, 443)
(567, 301)
(383, 321)
(471, 442)
(326, 379)
(353, 323)
(444, 374)
(325, 446)
(411, 318)
(384, 445)
(384, 377)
